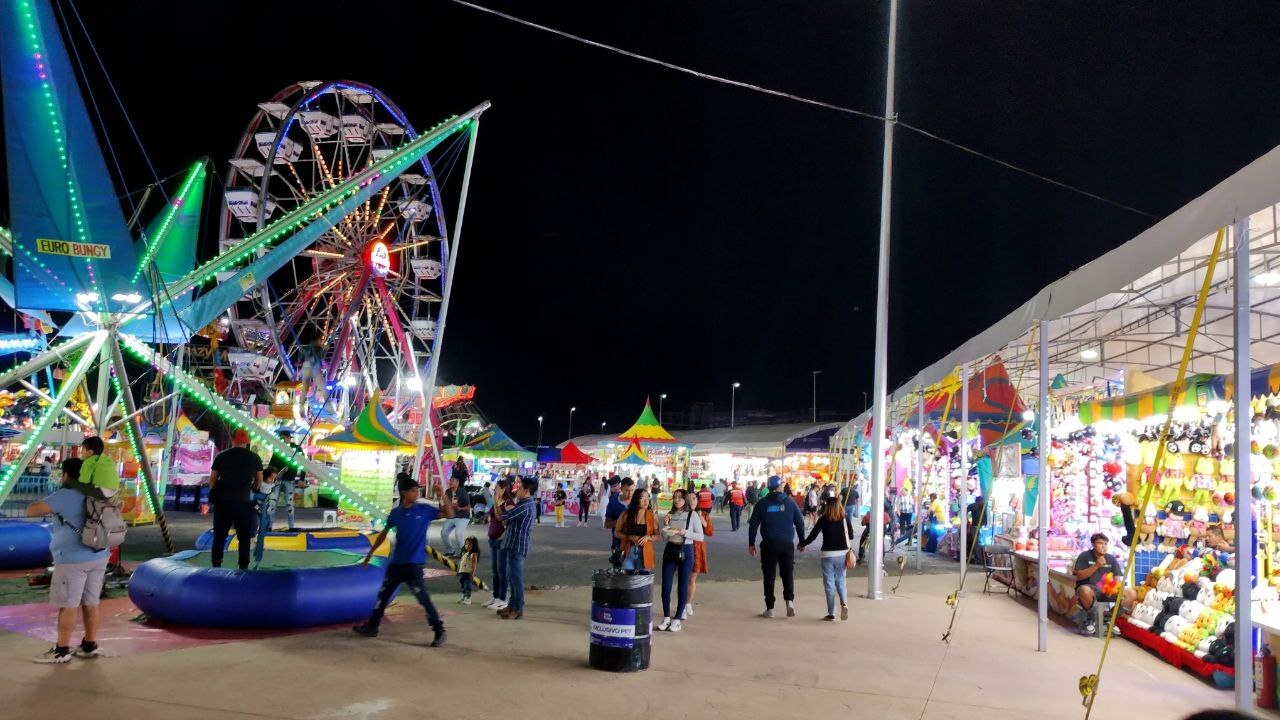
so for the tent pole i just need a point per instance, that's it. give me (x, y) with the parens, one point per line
(920, 480)
(429, 387)
(1042, 500)
(1246, 539)
(880, 381)
(964, 475)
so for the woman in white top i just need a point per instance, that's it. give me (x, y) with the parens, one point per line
(682, 527)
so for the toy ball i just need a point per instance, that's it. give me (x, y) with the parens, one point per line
(1229, 498)
(1112, 468)
(1270, 452)
(1269, 493)
(1117, 520)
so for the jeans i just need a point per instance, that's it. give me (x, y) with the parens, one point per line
(735, 516)
(633, 559)
(672, 563)
(455, 526)
(245, 520)
(833, 577)
(905, 527)
(515, 580)
(464, 579)
(499, 560)
(281, 494)
(778, 559)
(410, 574)
(851, 514)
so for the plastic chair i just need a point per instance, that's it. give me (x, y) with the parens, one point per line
(996, 558)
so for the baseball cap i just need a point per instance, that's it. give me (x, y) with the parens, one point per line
(775, 482)
(240, 437)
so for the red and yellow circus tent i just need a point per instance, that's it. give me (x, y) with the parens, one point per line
(647, 430)
(634, 455)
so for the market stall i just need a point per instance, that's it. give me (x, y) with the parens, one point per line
(368, 459)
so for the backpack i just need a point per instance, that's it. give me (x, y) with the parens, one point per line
(104, 525)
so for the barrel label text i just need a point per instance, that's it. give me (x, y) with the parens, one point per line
(613, 627)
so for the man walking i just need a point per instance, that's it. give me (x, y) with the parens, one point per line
(737, 499)
(781, 525)
(717, 492)
(456, 526)
(78, 570)
(410, 519)
(235, 475)
(518, 517)
(904, 505)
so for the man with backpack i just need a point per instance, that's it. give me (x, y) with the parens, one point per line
(78, 569)
(235, 475)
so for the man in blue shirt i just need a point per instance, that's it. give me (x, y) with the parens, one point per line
(78, 570)
(518, 519)
(780, 524)
(410, 519)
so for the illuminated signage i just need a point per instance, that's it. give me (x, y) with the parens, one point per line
(379, 259)
(73, 249)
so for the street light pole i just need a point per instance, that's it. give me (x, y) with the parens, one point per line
(661, 397)
(539, 431)
(571, 411)
(816, 373)
(602, 428)
(733, 398)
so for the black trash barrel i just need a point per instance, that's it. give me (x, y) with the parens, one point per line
(621, 620)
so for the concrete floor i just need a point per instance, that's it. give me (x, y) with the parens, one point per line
(887, 662)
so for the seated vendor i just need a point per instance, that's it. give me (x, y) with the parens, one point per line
(1090, 569)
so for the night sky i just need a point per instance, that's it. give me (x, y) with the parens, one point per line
(633, 231)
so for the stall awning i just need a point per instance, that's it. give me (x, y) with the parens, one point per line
(1139, 406)
(648, 430)
(370, 431)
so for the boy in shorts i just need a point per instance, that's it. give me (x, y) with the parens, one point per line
(78, 570)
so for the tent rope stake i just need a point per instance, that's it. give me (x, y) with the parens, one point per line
(1088, 684)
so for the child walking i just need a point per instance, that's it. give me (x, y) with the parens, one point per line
(467, 568)
(560, 497)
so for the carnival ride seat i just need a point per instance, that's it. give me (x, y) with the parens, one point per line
(996, 558)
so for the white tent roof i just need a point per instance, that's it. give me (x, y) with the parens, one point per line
(1133, 305)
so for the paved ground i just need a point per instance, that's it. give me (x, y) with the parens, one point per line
(886, 663)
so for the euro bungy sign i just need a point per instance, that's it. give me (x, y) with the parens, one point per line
(73, 249)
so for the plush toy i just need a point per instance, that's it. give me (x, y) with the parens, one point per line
(1144, 616)
(1110, 585)
(1147, 538)
(1173, 629)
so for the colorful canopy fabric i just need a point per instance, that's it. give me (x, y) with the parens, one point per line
(571, 454)
(370, 431)
(647, 429)
(994, 404)
(634, 455)
(494, 442)
(1262, 382)
(1138, 406)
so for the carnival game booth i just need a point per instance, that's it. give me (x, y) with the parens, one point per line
(493, 451)
(368, 460)
(1106, 331)
(751, 453)
(567, 465)
(666, 456)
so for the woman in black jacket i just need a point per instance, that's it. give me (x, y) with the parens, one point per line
(837, 534)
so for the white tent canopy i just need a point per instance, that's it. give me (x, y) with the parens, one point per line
(765, 441)
(1133, 305)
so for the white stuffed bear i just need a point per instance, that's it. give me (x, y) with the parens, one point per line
(1223, 623)
(1190, 611)
(1144, 616)
(1227, 577)
(1156, 599)
(1173, 628)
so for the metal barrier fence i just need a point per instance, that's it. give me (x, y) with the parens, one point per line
(28, 489)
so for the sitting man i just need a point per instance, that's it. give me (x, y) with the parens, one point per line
(1090, 568)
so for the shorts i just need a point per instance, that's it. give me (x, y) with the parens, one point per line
(77, 584)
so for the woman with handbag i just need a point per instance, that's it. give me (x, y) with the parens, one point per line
(637, 531)
(837, 553)
(682, 528)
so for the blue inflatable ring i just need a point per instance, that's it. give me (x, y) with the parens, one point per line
(300, 539)
(24, 544)
(174, 590)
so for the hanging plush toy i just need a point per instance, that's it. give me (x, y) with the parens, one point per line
(1110, 585)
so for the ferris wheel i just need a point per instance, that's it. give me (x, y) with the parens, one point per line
(355, 312)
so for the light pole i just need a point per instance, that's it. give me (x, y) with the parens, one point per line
(733, 398)
(539, 431)
(816, 373)
(661, 397)
(602, 428)
(572, 410)
(864, 401)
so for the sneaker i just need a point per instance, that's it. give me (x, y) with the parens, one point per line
(844, 612)
(54, 656)
(439, 638)
(366, 630)
(665, 624)
(499, 605)
(489, 604)
(768, 613)
(688, 610)
(87, 650)
(676, 626)
(829, 617)
(1090, 629)
(791, 609)
(465, 601)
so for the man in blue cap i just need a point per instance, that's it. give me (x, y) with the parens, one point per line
(781, 525)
